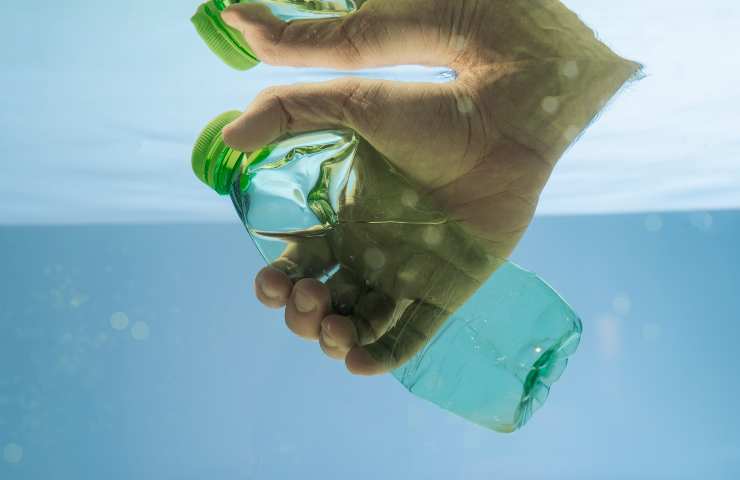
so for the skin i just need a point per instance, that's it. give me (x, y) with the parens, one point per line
(478, 150)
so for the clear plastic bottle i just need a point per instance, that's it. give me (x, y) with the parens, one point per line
(229, 44)
(472, 333)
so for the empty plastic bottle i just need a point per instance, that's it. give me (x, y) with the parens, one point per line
(229, 44)
(327, 205)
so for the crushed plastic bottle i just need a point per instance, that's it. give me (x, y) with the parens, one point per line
(229, 44)
(472, 333)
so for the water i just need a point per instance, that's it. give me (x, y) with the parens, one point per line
(220, 389)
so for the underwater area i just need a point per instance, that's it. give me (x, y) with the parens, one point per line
(121, 357)
(131, 343)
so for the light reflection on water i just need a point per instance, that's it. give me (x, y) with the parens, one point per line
(667, 144)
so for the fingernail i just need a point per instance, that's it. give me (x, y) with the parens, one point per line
(269, 293)
(303, 303)
(328, 341)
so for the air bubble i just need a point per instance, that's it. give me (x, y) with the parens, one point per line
(702, 220)
(119, 321)
(570, 69)
(409, 198)
(374, 258)
(13, 453)
(140, 331)
(465, 105)
(432, 235)
(571, 133)
(550, 104)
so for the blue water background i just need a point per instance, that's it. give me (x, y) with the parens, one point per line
(202, 382)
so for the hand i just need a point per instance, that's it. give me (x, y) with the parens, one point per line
(479, 150)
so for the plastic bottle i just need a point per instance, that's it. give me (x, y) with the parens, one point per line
(229, 44)
(327, 205)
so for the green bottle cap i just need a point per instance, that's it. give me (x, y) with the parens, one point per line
(226, 42)
(214, 161)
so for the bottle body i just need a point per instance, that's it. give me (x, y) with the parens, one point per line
(495, 359)
(470, 332)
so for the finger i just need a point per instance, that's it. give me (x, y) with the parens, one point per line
(390, 331)
(373, 315)
(345, 287)
(338, 336)
(418, 324)
(427, 286)
(369, 37)
(369, 313)
(309, 257)
(308, 305)
(400, 266)
(272, 287)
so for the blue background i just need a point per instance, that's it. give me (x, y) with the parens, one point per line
(221, 389)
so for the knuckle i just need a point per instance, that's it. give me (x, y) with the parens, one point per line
(359, 105)
(349, 92)
(355, 34)
(272, 99)
(268, 41)
(269, 94)
(278, 37)
(366, 331)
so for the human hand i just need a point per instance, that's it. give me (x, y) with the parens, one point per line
(479, 150)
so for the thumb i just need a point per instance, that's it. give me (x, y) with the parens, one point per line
(366, 38)
(289, 109)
